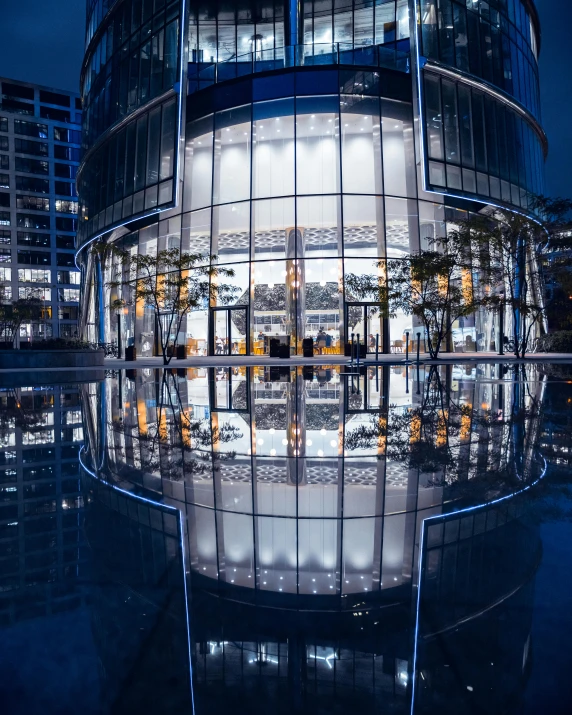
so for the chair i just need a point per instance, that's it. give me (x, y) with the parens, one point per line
(397, 346)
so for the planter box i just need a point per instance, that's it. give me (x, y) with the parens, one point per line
(40, 359)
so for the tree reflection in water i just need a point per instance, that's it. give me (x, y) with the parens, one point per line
(310, 498)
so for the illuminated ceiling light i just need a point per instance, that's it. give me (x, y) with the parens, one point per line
(272, 452)
(284, 442)
(272, 430)
(320, 453)
(333, 443)
(260, 441)
(309, 442)
(322, 431)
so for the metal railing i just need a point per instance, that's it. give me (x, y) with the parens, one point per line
(204, 74)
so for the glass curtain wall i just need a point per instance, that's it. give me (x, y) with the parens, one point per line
(256, 31)
(478, 145)
(294, 196)
(495, 40)
(290, 195)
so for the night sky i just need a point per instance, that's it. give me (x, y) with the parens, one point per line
(42, 41)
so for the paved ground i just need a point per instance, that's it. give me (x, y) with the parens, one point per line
(225, 361)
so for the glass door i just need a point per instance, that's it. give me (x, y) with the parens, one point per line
(229, 327)
(366, 320)
(221, 344)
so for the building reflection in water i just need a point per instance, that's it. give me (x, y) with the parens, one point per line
(299, 505)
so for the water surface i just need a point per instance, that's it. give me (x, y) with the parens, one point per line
(300, 539)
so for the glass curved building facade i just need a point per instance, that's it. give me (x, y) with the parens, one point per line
(297, 146)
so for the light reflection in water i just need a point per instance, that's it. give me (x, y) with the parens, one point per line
(306, 490)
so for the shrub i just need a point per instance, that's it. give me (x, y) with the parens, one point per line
(558, 342)
(58, 344)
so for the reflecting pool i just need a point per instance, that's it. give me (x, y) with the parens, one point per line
(293, 539)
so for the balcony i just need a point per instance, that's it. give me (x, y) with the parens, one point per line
(202, 74)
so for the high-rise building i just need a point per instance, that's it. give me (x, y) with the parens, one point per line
(299, 143)
(40, 134)
(41, 506)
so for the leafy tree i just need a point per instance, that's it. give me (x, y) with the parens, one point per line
(434, 286)
(520, 255)
(172, 283)
(173, 441)
(454, 443)
(14, 314)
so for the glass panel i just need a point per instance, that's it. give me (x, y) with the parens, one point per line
(363, 226)
(401, 227)
(232, 156)
(270, 221)
(318, 223)
(238, 331)
(384, 22)
(434, 118)
(361, 149)
(398, 149)
(221, 336)
(431, 224)
(317, 149)
(273, 148)
(363, 27)
(167, 140)
(198, 165)
(269, 314)
(451, 122)
(319, 308)
(360, 537)
(231, 232)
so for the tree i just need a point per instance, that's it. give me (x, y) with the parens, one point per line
(14, 314)
(519, 256)
(457, 444)
(434, 286)
(173, 284)
(172, 442)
